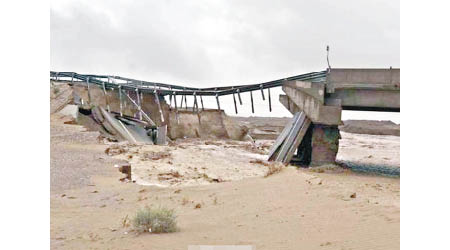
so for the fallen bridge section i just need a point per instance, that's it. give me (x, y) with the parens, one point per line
(133, 116)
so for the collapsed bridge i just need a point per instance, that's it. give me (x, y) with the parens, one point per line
(316, 99)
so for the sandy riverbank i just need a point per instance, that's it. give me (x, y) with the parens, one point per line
(296, 208)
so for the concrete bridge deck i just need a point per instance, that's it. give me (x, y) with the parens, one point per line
(344, 89)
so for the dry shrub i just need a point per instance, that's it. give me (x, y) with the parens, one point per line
(210, 179)
(231, 142)
(324, 168)
(254, 149)
(125, 221)
(155, 220)
(258, 161)
(266, 145)
(155, 155)
(116, 149)
(213, 143)
(320, 170)
(169, 175)
(274, 167)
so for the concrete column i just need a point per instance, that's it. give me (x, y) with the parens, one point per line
(324, 144)
(319, 145)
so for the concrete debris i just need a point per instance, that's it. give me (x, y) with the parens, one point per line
(169, 175)
(181, 123)
(258, 161)
(70, 111)
(120, 119)
(273, 167)
(60, 96)
(207, 124)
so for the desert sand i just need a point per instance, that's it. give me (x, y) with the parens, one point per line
(296, 208)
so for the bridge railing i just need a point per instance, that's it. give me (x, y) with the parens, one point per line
(113, 82)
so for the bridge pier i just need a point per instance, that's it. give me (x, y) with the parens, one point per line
(324, 144)
(319, 146)
(321, 142)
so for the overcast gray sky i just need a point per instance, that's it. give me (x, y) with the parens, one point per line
(206, 42)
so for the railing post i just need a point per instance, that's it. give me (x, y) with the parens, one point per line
(176, 108)
(89, 91)
(159, 105)
(106, 96)
(201, 100)
(217, 99)
(270, 101)
(120, 100)
(195, 105)
(234, 100)
(239, 96)
(262, 92)
(251, 99)
(139, 103)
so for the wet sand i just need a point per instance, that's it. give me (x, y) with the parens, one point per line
(292, 209)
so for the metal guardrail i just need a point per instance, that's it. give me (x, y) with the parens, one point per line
(116, 82)
(121, 84)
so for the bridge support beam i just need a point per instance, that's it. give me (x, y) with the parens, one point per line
(364, 89)
(312, 106)
(321, 143)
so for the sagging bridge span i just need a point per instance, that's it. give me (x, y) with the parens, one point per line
(316, 99)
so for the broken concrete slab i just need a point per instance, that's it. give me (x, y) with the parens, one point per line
(181, 123)
(60, 96)
(69, 111)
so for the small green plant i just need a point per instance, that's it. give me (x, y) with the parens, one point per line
(155, 220)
